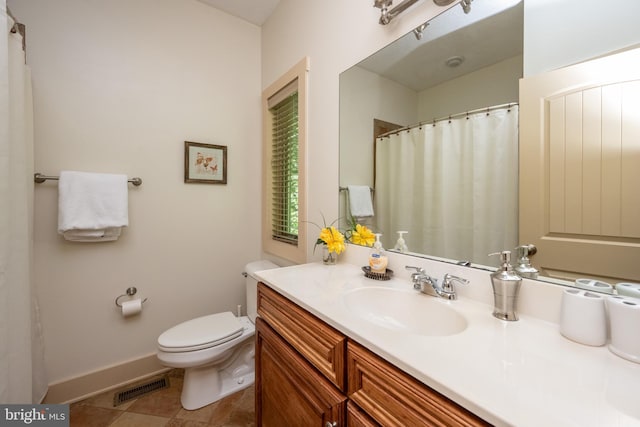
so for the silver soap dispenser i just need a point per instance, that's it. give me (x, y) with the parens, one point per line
(506, 286)
(523, 265)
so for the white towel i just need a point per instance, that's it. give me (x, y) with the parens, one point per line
(105, 235)
(92, 207)
(360, 203)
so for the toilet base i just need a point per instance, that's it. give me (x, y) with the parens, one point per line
(207, 384)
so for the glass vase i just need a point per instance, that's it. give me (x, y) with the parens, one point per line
(328, 258)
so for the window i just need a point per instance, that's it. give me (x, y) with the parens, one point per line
(284, 165)
(284, 187)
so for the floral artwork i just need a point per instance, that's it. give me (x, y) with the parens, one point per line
(205, 163)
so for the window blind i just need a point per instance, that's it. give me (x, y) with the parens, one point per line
(284, 164)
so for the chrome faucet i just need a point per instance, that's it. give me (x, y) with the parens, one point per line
(428, 285)
(423, 282)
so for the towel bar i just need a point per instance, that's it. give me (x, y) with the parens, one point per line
(39, 178)
(346, 189)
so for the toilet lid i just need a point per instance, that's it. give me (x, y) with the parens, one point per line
(200, 333)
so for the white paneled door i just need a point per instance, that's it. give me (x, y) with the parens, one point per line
(580, 168)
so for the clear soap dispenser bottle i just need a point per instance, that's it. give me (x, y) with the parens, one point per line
(401, 245)
(506, 286)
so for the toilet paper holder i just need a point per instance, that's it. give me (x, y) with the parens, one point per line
(131, 291)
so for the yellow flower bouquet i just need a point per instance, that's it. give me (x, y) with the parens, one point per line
(332, 240)
(361, 235)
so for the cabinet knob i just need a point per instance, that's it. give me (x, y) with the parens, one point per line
(328, 424)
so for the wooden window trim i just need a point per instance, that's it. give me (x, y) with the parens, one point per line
(296, 253)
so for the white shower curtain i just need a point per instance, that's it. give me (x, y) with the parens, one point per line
(452, 186)
(22, 374)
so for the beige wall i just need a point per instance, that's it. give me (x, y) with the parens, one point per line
(366, 96)
(118, 86)
(493, 85)
(563, 32)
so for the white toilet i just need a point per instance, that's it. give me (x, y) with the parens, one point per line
(217, 351)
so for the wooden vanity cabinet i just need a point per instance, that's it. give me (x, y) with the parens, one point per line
(356, 417)
(393, 398)
(300, 366)
(289, 391)
(323, 346)
(309, 374)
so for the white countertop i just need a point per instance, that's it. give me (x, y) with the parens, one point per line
(521, 373)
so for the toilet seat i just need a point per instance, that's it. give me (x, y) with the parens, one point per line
(201, 333)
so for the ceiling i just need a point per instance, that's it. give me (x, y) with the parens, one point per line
(254, 11)
(482, 38)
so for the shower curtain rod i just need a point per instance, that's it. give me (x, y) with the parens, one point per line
(452, 116)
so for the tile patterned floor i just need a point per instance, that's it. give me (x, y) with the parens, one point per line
(162, 408)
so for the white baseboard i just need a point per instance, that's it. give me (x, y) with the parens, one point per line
(100, 381)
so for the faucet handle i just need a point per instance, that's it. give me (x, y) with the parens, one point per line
(419, 270)
(448, 283)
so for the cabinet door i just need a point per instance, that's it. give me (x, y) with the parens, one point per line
(357, 418)
(289, 391)
(318, 342)
(393, 398)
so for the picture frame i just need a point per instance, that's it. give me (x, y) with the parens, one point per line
(205, 163)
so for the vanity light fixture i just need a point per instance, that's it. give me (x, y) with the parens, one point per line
(383, 5)
(387, 15)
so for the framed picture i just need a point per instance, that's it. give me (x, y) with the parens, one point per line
(205, 163)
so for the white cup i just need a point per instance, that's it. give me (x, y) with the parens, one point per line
(628, 289)
(583, 318)
(624, 316)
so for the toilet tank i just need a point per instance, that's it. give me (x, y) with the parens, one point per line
(252, 285)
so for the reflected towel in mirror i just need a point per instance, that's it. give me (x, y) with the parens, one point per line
(360, 203)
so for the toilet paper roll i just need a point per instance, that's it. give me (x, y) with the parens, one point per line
(583, 318)
(131, 307)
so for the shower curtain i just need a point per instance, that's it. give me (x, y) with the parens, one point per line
(22, 375)
(452, 185)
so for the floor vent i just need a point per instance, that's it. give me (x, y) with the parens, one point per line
(137, 390)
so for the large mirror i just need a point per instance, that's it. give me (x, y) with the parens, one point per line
(459, 67)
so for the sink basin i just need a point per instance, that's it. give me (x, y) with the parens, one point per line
(405, 311)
